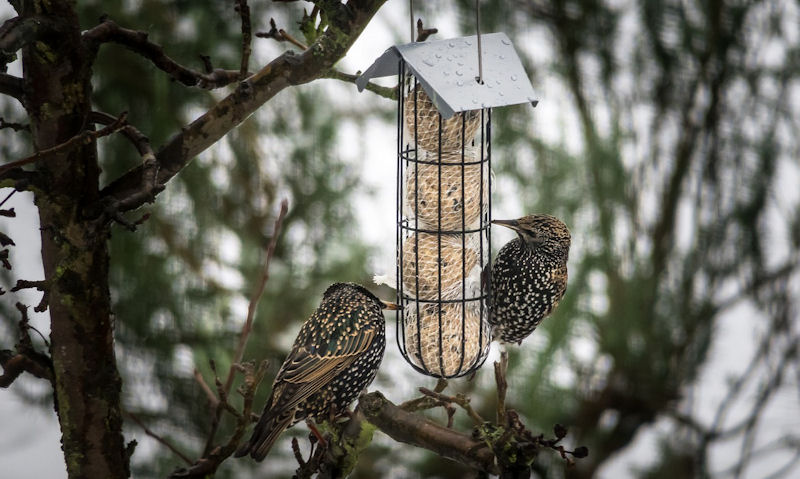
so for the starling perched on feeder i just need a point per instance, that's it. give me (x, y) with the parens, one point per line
(335, 356)
(529, 276)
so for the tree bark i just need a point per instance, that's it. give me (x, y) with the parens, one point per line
(57, 79)
(418, 431)
(74, 215)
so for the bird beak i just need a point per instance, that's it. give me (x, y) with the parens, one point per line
(513, 224)
(392, 306)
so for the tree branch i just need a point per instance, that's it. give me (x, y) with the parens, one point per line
(17, 32)
(421, 432)
(12, 86)
(255, 298)
(384, 91)
(25, 358)
(149, 188)
(136, 137)
(281, 35)
(136, 41)
(158, 438)
(460, 399)
(244, 11)
(423, 33)
(14, 126)
(15, 364)
(42, 285)
(283, 72)
(208, 464)
(82, 138)
(258, 291)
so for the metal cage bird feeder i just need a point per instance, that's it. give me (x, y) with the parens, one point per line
(446, 93)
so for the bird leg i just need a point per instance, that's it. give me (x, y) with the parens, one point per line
(500, 369)
(315, 431)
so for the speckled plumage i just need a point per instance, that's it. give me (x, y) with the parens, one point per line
(335, 356)
(529, 276)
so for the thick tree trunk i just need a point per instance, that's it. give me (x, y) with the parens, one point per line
(74, 246)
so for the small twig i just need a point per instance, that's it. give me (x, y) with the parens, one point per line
(272, 33)
(459, 399)
(316, 455)
(281, 35)
(289, 38)
(83, 138)
(384, 91)
(223, 389)
(44, 340)
(25, 358)
(297, 454)
(158, 438)
(424, 33)
(24, 327)
(244, 12)
(137, 42)
(150, 186)
(500, 369)
(212, 399)
(424, 402)
(6, 264)
(13, 126)
(12, 86)
(41, 285)
(208, 464)
(136, 137)
(15, 364)
(8, 197)
(208, 67)
(258, 291)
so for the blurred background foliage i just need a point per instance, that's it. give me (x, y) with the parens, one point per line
(674, 162)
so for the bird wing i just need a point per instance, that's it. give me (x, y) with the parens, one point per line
(559, 278)
(308, 369)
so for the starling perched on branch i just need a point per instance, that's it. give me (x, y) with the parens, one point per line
(335, 356)
(529, 276)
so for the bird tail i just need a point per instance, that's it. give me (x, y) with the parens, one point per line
(265, 434)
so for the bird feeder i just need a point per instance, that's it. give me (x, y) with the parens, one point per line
(446, 92)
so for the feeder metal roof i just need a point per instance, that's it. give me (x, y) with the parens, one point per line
(447, 71)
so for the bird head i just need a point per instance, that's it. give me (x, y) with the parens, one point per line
(354, 288)
(540, 232)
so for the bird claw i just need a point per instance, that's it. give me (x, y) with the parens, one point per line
(316, 433)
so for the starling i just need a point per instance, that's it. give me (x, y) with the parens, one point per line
(335, 356)
(529, 276)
